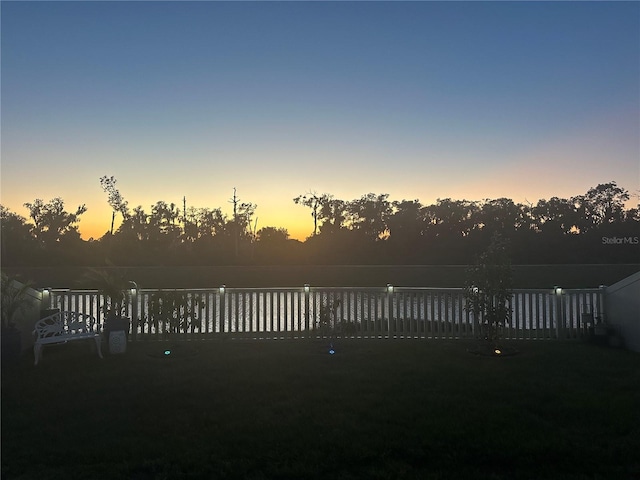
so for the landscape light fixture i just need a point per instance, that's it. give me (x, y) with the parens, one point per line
(167, 352)
(557, 290)
(497, 351)
(331, 349)
(307, 288)
(389, 288)
(222, 287)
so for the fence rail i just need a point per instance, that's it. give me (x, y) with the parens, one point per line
(387, 312)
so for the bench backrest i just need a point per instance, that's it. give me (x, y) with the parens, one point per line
(65, 323)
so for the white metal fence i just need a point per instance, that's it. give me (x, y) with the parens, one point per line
(387, 312)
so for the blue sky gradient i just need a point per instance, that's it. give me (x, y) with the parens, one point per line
(419, 100)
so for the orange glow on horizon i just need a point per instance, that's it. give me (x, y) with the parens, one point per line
(97, 225)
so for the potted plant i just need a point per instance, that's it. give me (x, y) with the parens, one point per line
(115, 291)
(488, 293)
(15, 301)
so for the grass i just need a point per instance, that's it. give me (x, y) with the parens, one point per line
(289, 410)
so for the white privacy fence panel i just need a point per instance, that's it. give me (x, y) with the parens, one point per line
(386, 312)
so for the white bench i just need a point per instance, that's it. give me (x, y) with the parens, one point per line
(63, 327)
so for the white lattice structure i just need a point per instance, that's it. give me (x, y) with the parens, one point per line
(63, 327)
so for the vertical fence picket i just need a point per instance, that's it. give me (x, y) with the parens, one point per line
(223, 312)
(443, 315)
(368, 319)
(279, 313)
(545, 316)
(570, 316)
(373, 315)
(269, 321)
(454, 315)
(520, 298)
(360, 314)
(300, 301)
(467, 316)
(440, 318)
(259, 316)
(525, 316)
(370, 330)
(307, 313)
(521, 314)
(378, 313)
(576, 315)
(246, 312)
(236, 313)
(241, 313)
(532, 317)
(353, 313)
(396, 300)
(312, 314)
(534, 322)
(541, 315)
(278, 309)
(412, 306)
(287, 314)
(432, 318)
(567, 315)
(525, 313)
(448, 315)
(464, 328)
(408, 313)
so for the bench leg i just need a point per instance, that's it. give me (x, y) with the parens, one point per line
(98, 346)
(37, 352)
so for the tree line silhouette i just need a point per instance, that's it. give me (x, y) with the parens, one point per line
(592, 228)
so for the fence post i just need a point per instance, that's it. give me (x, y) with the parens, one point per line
(134, 310)
(307, 290)
(223, 308)
(560, 326)
(602, 303)
(45, 302)
(389, 307)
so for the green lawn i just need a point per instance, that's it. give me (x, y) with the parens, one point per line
(287, 409)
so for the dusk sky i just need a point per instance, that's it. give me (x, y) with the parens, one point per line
(420, 100)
